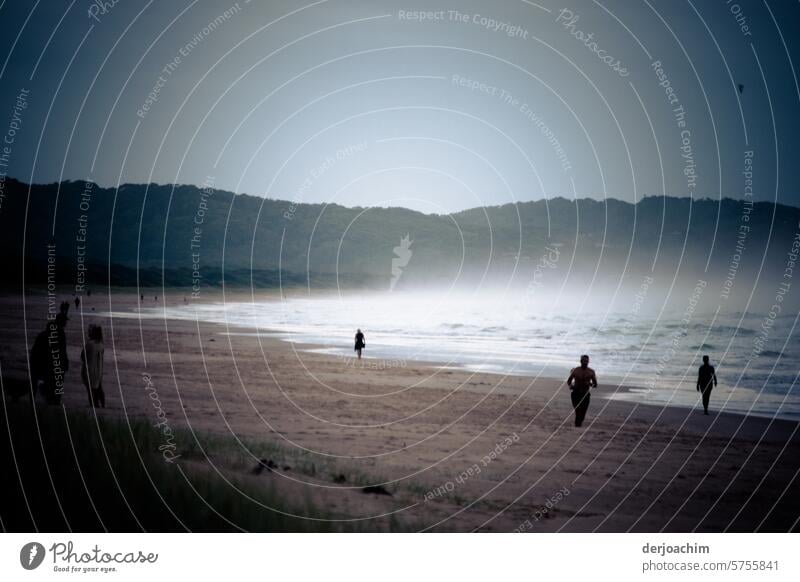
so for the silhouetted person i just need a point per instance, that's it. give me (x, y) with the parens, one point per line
(141, 297)
(581, 380)
(49, 360)
(92, 366)
(88, 292)
(706, 380)
(40, 354)
(77, 302)
(360, 343)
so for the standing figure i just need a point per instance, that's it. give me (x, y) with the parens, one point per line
(92, 366)
(360, 343)
(49, 360)
(706, 380)
(581, 380)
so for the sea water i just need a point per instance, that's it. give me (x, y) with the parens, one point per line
(655, 356)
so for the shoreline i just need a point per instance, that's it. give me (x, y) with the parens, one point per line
(622, 391)
(618, 389)
(674, 390)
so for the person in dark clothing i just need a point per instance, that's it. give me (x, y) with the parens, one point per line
(92, 366)
(40, 354)
(49, 361)
(581, 380)
(360, 343)
(706, 380)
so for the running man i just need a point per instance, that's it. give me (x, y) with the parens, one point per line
(581, 380)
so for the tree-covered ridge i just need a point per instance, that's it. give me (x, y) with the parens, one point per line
(166, 231)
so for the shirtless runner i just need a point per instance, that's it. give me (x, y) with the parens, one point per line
(581, 380)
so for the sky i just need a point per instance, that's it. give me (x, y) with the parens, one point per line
(370, 103)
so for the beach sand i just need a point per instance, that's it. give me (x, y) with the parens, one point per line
(458, 451)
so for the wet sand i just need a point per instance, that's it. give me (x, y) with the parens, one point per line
(459, 451)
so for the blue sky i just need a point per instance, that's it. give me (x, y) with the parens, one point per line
(370, 103)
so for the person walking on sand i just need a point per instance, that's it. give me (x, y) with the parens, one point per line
(706, 380)
(92, 366)
(581, 380)
(360, 343)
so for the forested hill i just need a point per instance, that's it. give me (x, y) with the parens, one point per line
(168, 233)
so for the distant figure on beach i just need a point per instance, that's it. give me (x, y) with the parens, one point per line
(706, 380)
(360, 343)
(92, 366)
(581, 380)
(49, 360)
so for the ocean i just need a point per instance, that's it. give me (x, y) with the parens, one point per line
(655, 356)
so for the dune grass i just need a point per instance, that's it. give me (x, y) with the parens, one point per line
(66, 470)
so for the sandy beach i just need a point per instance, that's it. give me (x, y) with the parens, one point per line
(458, 451)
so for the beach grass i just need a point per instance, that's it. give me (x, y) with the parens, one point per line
(68, 470)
